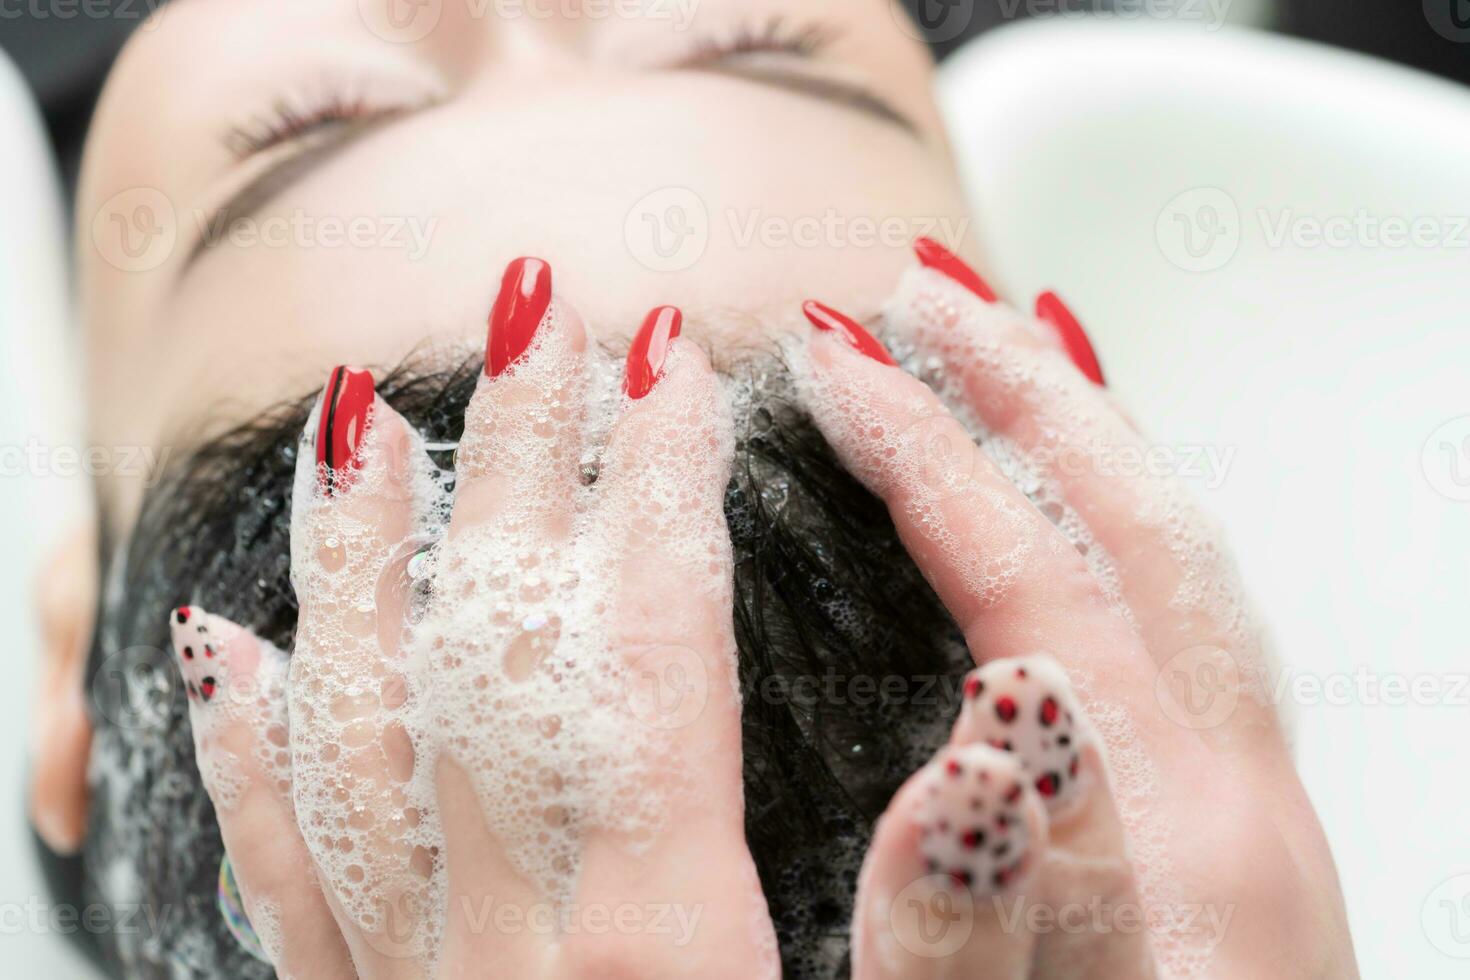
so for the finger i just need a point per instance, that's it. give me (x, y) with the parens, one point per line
(947, 872)
(518, 462)
(359, 498)
(1036, 384)
(235, 684)
(1011, 580)
(1008, 576)
(1026, 706)
(503, 585)
(660, 544)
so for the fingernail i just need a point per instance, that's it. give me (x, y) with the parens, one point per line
(525, 293)
(1026, 706)
(650, 348)
(825, 318)
(933, 255)
(972, 820)
(347, 403)
(1052, 311)
(198, 651)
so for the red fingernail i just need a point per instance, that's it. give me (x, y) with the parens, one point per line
(933, 255)
(343, 425)
(1051, 310)
(825, 318)
(525, 293)
(650, 347)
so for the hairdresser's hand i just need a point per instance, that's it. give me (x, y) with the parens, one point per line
(1186, 845)
(516, 753)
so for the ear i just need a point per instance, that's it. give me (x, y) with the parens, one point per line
(62, 729)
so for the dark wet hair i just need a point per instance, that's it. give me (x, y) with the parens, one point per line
(849, 666)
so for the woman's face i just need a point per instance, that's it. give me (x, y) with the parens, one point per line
(728, 156)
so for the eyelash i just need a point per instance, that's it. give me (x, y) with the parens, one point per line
(286, 121)
(774, 36)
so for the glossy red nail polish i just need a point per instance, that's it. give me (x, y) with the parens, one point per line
(650, 347)
(825, 318)
(525, 293)
(347, 403)
(933, 255)
(1052, 311)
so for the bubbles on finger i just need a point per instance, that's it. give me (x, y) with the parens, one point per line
(365, 807)
(236, 687)
(542, 686)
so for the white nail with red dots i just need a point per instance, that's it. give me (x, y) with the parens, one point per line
(1025, 705)
(972, 818)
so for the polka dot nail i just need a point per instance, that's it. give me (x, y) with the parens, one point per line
(1026, 706)
(198, 650)
(972, 818)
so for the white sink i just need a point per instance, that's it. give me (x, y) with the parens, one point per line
(1336, 369)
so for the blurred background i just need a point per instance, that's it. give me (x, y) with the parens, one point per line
(1179, 168)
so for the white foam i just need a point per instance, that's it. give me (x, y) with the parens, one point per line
(515, 669)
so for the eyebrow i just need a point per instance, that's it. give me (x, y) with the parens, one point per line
(283, 174)
(295, 167)
(835, 91)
